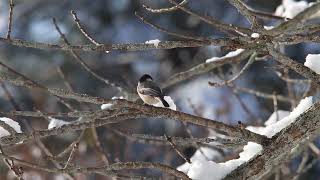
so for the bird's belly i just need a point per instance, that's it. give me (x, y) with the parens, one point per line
(148, 99)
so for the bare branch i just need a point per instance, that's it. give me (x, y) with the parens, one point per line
(245, 67)
(72, 153)
(25, 80)
(83, 31)
(297, 67)
(266, 16)
(82, 63)
(113, 47)
(244, 10)
(299, 132)
(259, 94)
(227, 28)
(144, 112)
(298, 81)
(174, 147)
(11, 5)
(204, 68)
(296, 21)
(164, 10)
(180, 35)
(7, 127)
(181, 141)
(104, 170)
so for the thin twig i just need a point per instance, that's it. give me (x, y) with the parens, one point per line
(81, 28)
(302, 165)
(259, 93)
(179, 35)
(164, 10)
(227, 28)
(81, 61)
(285, 78)
(11, 5)
(245, 67)
(17, 170)
(174, 147)
(275, 105)
(72, 153)
(244, 10)
(297, 67)
(63, 77)
(98, 146)
(32, 83)
(204, 68)
(290, 88)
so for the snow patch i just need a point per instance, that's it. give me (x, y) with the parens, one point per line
(15, 125)
(291, 8)
(255, 35)
(109, 105)
(313, 62)
(155, 42)
(200, 155)
(201, 168)
(209, 170)
(268, 27)
(275, 127)
(273, 118)
(56, 123)
(230, 54)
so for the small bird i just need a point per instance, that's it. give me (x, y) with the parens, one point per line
(149, 91)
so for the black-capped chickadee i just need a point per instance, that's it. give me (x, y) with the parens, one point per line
(149, 91)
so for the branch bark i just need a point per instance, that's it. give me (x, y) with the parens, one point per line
(281, 145)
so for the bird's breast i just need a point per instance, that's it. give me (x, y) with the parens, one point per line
(148, 99)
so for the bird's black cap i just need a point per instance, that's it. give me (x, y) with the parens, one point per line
(145, 77)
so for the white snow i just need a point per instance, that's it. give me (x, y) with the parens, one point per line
(255, 35)
(109, 106)
(155, 42)
(268, 27)
(169, 100)
(202, 169)
(209, 170)
(200, 155)
(275, 127)
(273, 118)
(230, 54)
(106, 106)
(12, 124)
(313, 62)
(56, 123)
(290, 8)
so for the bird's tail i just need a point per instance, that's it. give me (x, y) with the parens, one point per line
(164, 102)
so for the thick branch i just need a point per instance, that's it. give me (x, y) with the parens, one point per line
(297, 67)
(296, 21)
(119, 47)
(128, 113)
(282, 145)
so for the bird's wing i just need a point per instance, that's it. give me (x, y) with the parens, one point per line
(150, 88)
(150, 92)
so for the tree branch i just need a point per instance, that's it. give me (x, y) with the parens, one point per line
(281, 145)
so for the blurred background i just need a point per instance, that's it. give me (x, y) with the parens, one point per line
(111, 22)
